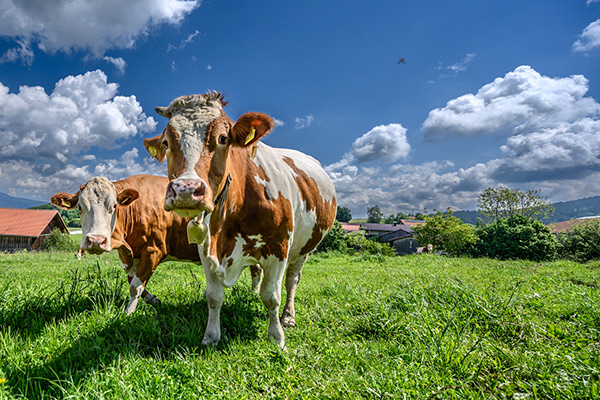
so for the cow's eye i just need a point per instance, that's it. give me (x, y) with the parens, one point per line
(165, 144)
(223, 139)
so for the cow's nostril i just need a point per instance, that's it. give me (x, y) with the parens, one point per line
(200, 191)
(171, 191)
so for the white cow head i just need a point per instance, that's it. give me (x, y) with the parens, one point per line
(197, 143)
(97, 202)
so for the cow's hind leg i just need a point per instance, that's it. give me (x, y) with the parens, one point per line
(292, 278)
(256, 273)
(139, 275)
(270, 293)
(215, 293)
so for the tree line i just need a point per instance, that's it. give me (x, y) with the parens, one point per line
(510, 227)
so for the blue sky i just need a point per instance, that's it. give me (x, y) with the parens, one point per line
(491, 92)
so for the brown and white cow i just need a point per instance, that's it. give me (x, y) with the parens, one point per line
(258, 204)
(141, 230)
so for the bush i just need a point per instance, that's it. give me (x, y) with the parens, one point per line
(583, 242)
(57, 240)
(335, 240)
(338, 240)
(448, 233)
(516, 237)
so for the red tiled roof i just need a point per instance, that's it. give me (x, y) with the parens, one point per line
(30, 223)
(350, 227)
(567, 226)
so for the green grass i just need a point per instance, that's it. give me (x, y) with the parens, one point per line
(424, 327)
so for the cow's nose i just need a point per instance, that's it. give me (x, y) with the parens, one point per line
(96, 243)
(186, 193)
(187, 187)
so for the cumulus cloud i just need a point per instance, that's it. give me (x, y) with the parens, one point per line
(552, 145)
(385, 143)
(29, 179)
(521, 100)
(82, 111)
(589, 39)
(119, 63)
(89, 25)
(591, 1)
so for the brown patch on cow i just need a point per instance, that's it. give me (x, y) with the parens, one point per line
(145, 227)
(249, 212)
(325, 210)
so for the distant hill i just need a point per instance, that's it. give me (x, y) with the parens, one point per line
(563, 211)
(7, 201)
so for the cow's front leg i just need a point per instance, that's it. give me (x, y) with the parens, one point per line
(215, 293)
(270, 293)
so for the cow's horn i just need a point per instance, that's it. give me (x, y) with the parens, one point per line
(164, 111)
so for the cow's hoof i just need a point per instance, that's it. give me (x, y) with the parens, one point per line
(207, 341)
(153, 300)
(288, 321)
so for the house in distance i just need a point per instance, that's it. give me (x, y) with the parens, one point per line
(25, 229)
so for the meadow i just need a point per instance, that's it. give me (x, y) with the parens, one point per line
(417, 327)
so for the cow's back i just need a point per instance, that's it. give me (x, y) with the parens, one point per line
(146, 223)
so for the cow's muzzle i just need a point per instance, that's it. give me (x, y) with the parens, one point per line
(188, 197)
(96, 244)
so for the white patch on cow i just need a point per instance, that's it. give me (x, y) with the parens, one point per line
(124, 266)
(259, 240)
(191, 117)
(136, 288)
(131, 271)
(313, 169)
(304, 223)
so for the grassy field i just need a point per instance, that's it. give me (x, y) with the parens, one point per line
(418, 327)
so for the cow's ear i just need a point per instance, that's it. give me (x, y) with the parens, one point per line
(127, 196)
(155, 148)
(65, 201)
(250, 127)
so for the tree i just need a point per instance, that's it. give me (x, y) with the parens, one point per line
(502, 202)
(516, 237)
(390, 219)
(59, 241)
(374, 214)
(446, 232)
(343, 214)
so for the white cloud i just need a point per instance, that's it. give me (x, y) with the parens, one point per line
(459, 66)
(384, 142)
(119, 63)
(589, 39)
(305, 122)
(591, 1)
(521, 100)
(552, 145)
(29, 179)
(81, 112)
(278, 122)
(89, 25)
(184, 42)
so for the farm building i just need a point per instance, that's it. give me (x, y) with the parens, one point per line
(567, 226)
(25, 229)
(398, 235)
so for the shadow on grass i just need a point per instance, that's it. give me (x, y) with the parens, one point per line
(170, 331)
